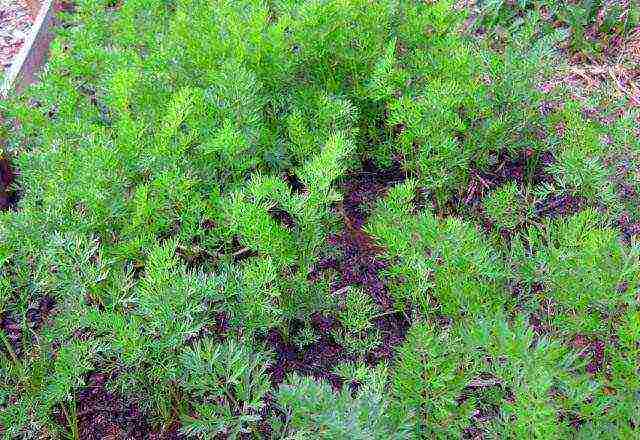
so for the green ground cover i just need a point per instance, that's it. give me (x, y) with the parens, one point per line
(335, 219)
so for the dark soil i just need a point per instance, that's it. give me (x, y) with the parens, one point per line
(240, 252)
(283, 218)
(317, 360)
(358, 264)
(8, 195)
(294, 182)
(36, 315)
(13, 333)
(195, 257)
(527, 167)
(592, 350)
(356, 261)
(359, 261)
(394, 328)
(485, 411)
(103, 415)
(559, 205)
(628, 228)
(217, 329)
(198, 255)
(269, 412)
(364, 188)
(540, 328)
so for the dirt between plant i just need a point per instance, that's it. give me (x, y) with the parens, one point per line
(628, 228)
(35, 317)
(559, 205)
(8, 196)
(101, 415)
(358, 263)
(526, 165)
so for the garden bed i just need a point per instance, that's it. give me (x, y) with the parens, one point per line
(324, 219)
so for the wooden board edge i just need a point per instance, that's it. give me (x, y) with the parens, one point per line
(33, 52)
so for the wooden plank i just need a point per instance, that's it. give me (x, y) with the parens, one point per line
(33, 52)
(34, 7)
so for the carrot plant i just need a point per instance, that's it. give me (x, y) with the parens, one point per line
(313, 218)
